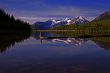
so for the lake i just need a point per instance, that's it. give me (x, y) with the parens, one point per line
(52, 53)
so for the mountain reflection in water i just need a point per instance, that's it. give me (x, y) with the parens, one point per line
(103, 42)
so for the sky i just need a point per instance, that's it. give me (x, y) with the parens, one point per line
(42, 10)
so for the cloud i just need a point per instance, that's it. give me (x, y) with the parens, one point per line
(57, 12)
(40, 10)
(70, 11)
(32, 20)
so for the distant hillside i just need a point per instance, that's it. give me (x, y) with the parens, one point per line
(8, 22)
(100, 27)
(104, 16)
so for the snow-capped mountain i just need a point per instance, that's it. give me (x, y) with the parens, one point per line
(80, 20)
(54, 23)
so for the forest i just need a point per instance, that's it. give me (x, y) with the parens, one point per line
(9, 23)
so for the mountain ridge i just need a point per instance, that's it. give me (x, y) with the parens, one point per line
(55, 23)
(103, 16)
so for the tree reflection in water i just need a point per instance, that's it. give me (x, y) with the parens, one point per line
(103, 42)
(9, 40)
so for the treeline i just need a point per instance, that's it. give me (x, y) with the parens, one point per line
(9, 23)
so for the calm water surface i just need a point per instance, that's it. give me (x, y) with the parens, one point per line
(49, 53)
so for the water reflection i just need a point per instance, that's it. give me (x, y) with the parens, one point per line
(9, 40)
(103, 42)
(59, 54)
(57, 38)
(75, 41)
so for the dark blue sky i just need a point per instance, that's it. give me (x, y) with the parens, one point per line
(37, 10)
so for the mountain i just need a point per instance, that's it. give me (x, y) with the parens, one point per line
(48, 24)
(80, 20)
(55, 23)
(42, 25)
(104, 16)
